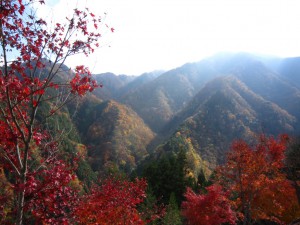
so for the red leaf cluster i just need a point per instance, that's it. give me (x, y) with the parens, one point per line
(212, 208)
(51, 199)
(82, 81)
(35, 77)
(254, 176)
(114, 202)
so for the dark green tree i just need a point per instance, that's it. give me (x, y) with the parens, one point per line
(168, 175)
(172, 216)
(150, 210)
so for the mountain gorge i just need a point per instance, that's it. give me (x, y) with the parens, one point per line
(206, 105)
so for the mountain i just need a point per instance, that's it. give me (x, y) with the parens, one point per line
(224, 110)
(115, 86)
(270, 85)
(199, 107)
(159, 100)
(115, 135)
(139, 82)
(289, 69)
(111, 84)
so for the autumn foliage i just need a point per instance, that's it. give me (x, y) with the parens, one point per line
(212, 208)
(259, 188)
(112, 203)
(37, 179)
(32, 76)
(250, 187)
(50, 195)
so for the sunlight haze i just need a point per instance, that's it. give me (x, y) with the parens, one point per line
(164, 34)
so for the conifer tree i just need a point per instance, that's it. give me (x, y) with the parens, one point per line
(172, 216)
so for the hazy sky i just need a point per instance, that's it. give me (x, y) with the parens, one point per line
(164, 34)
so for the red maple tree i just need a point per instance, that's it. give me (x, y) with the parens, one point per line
(259, 188)
(36, 77)
(114, 202)
(50, 196)
(212, 208)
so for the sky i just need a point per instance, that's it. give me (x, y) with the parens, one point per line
(165, 34)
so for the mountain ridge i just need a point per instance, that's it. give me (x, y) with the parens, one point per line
(206, 104)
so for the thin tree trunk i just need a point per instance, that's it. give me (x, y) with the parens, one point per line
(21, 201)
(20, 209)
(21, 196)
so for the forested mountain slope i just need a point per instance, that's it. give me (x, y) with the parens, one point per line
(159, 100)
(114, 134)
(289, 69)
(206, 104)
(224, 110)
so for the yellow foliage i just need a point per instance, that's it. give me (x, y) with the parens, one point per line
(76, 184)
(6, 192)
(81, 150)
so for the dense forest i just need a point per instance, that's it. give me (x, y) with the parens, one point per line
(212, 142)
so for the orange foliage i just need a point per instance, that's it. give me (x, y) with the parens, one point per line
(259, 188)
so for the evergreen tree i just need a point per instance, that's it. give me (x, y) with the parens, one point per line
(149, 209)
(172, 216)
(168, 175)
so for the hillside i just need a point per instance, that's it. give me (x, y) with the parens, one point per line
(200, 106)
(115, 135)
(224, 110)
(159, 100)
(269, 84)
(111, 85)
(115, 86)
(290, 69)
